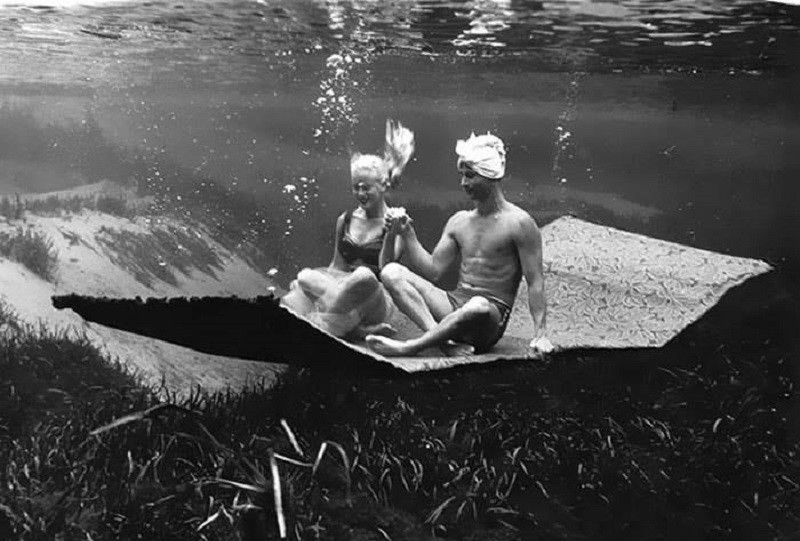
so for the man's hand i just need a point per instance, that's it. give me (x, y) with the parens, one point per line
(541, 345)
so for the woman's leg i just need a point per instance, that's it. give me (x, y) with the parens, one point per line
(296, 300)
(376, 316)
(316, 283)
(360, 290)
(356, 300)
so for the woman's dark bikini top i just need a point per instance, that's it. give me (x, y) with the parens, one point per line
(367, 253)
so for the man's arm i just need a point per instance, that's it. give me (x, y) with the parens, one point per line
(431, 266)
(529, 245)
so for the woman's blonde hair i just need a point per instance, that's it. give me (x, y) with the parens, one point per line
(398, 149)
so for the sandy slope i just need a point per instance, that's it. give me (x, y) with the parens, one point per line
(88, 267)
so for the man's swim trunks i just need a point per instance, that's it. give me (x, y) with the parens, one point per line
(459, 298)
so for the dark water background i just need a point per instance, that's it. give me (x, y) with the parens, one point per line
(677, 119)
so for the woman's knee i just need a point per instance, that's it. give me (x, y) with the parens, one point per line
(305, 277)
(313, 283)
(363, 274)
(362, 280)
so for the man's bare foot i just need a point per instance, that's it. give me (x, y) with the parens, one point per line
(456, 349)
(382, 329)
(387, 346)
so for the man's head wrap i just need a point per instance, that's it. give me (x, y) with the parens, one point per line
(484, 154)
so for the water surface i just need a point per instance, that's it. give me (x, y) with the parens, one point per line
(675, 119)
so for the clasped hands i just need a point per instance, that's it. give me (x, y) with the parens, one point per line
(396, 220)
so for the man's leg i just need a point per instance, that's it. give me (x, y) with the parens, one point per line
(420, 300)
(478, 317)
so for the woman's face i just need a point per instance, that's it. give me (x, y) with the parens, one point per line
(369, 190)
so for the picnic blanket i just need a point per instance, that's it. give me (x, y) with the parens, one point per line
(606, 288)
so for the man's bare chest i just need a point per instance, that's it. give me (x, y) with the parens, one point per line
(482, 238)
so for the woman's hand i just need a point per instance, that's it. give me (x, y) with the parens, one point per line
(396, 220)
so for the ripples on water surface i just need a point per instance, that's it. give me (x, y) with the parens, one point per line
(672, 118)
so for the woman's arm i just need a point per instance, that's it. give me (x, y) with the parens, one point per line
(392, 248)
(338, 262)
(396, 220)
(388, 251)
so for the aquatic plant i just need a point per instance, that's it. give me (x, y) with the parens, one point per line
(55, 205)
(158, 252)
(32, 249)
(112, 205)
(695, 440)
(7, 208)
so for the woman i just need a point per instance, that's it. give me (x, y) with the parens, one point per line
(346, 297)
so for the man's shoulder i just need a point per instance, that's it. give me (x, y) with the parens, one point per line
(520, 226)
(519, 215)
(458, 217)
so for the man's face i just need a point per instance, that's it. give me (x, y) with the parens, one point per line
(476, 186)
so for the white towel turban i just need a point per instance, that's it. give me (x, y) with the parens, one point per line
(484, 154)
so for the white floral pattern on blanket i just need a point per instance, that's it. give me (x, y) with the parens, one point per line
(608, 288)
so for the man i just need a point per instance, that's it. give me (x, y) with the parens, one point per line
(497, 243)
